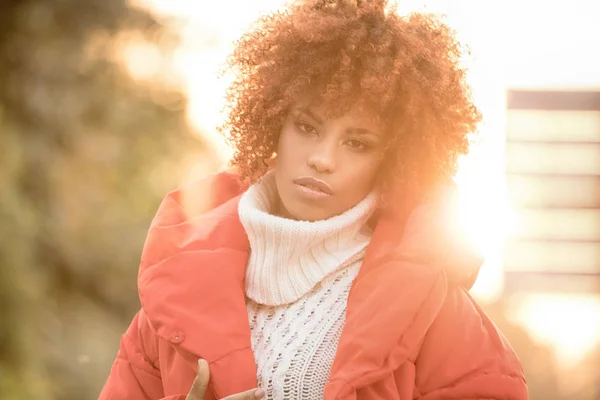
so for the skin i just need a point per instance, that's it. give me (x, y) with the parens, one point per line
(344, 152)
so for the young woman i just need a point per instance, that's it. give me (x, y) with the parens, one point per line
(327, 265)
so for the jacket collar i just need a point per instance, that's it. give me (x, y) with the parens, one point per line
(191, 286)
(400, 288)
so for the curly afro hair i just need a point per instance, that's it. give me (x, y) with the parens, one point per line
(405, 70)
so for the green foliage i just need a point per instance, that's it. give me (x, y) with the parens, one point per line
(86, 155)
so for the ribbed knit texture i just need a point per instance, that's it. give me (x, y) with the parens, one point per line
(298, 278)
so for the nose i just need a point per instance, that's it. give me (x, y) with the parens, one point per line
(322, 157)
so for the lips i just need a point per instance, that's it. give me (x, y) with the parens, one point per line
(314, 184)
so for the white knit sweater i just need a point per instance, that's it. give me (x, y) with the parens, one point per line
(297, 281)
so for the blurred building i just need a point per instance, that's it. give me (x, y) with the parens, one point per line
(553, 176)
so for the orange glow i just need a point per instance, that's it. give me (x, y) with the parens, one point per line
(206, 42)
(570, 324)
(143, 60)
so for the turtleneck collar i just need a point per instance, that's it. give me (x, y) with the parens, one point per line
(288, 258)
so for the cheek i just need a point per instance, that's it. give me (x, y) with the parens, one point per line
(362, 175)
(283, 145)
(289, 148)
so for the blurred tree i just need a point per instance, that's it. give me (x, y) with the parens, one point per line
(86, 154)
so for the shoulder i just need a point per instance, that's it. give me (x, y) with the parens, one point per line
(465, 354)
(202, 214)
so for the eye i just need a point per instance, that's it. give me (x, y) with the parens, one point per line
(306, 128)
(357, 145)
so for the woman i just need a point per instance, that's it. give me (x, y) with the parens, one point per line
(327, 266)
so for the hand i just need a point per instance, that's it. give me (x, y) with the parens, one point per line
(201, 383)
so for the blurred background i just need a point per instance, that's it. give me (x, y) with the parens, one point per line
(106, 105)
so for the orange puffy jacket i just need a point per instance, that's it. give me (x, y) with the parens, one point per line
(412, 331)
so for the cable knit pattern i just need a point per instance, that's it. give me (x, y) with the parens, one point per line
(295, 345)
(298, 278)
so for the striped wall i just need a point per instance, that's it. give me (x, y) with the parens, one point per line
(553, 178)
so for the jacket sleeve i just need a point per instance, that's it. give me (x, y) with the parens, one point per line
(465, 356)
(133, 374)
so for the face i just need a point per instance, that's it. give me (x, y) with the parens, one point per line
(325, 166)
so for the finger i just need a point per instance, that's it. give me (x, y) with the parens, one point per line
(253, 394)
(201, 382)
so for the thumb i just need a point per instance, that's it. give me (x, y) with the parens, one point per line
(200, 383)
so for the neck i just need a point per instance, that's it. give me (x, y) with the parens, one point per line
(279, 210)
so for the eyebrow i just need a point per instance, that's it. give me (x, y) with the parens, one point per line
(364, 131)
(313, 115)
